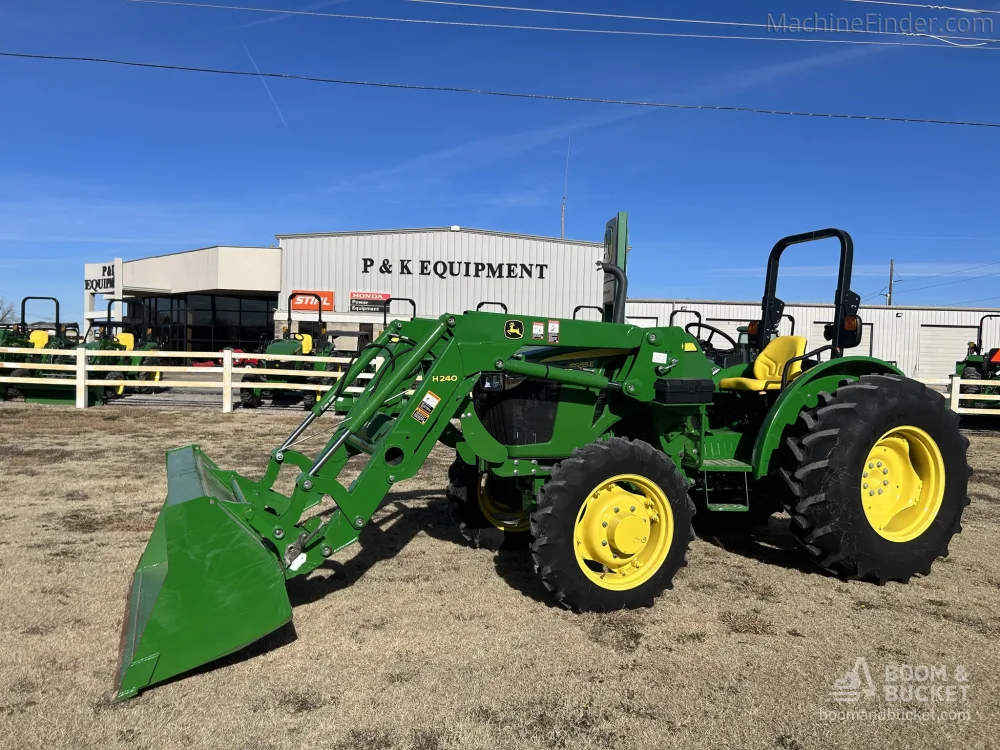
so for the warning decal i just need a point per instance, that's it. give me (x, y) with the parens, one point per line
(553, 331)
(538, 330)
(429, 402)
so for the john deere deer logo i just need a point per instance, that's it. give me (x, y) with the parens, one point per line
(513, 329)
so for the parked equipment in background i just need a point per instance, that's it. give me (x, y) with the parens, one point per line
(979, 364)
(593, 441)
(297, 344)
(45, 337)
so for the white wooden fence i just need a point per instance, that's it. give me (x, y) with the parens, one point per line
(82, 367)
(956, 397)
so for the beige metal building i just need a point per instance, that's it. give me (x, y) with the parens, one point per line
(924, 342)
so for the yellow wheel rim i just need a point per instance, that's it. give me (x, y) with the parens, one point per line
(623, 532)
(902, 483)
(499, 515)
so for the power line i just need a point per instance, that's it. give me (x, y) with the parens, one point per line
(949, 283)
(950, 273)
(661, 19)
(505, 94)
(969, 301)
(927, 7)
(943, 41)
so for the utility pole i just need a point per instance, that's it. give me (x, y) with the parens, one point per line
(892, 275)
(562, 231)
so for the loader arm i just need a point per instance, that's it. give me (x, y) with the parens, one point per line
(224, 545)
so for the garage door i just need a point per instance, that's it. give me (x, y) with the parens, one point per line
(864, 349)
(640, 321)
(941, 347)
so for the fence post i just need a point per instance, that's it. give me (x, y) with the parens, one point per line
(227, 380)
(81, 377)
(953, 392)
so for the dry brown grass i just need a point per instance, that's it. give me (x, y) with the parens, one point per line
(418, 642)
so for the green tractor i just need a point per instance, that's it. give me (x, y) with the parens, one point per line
(135, 346)
(595, 441)
(15, 336)
(39, 338)
(299, 344)
(980, 365)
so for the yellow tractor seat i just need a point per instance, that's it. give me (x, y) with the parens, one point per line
(769, 365)
(307, 343)
(127, 340)
(39, 338)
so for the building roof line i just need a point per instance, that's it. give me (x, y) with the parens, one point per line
(421, 230)
(200, 249)
(756, 303)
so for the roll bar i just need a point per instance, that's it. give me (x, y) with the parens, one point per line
(319, 308)
(24, 305)
(621, 289)
(388, 302)
(846, 302)
(979, 335)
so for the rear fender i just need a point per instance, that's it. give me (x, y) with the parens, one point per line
(803, 393)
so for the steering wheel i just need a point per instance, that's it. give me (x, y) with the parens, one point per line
(712, 330)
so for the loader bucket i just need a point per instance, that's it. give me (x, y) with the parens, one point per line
(206, 585)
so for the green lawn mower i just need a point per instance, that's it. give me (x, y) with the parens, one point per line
(596, 442)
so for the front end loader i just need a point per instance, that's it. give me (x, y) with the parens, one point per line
(595, 441)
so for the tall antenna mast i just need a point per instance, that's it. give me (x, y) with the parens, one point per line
(562, 233)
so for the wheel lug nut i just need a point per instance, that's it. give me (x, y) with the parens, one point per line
(865, 486)
(616, 510)
(632, 509)
(865, 474)
(885, 482)
(871, 492)
(604, 542)
(880, 492)
(871, 465)
(885, 471)
(605, 524)
(879, 463)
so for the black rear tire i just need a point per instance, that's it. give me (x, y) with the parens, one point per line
(554, 524)
(148, 379)
(13, 391)
(249, 399)
(828, 458)
(970, 373)
(473, 525)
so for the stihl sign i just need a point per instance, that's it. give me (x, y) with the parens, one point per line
(304, 301)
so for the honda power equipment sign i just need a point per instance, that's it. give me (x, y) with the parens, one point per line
(304, 301)
(369, 302)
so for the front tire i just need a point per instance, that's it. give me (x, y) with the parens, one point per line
(488, 509)
(880, 479)
(248, 398)
(612, 527)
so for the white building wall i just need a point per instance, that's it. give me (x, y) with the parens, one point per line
(443, 270)
(895, 330)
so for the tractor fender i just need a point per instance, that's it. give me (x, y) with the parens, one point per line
(803, 393)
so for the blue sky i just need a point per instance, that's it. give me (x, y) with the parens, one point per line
(99, 161)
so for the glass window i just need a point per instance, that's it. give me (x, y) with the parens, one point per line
(200, 317)
(257, 305)
(227, 303)
(255, 320)
(227, 318)
(199, 301)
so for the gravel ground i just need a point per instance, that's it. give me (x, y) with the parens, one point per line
(412, 640)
